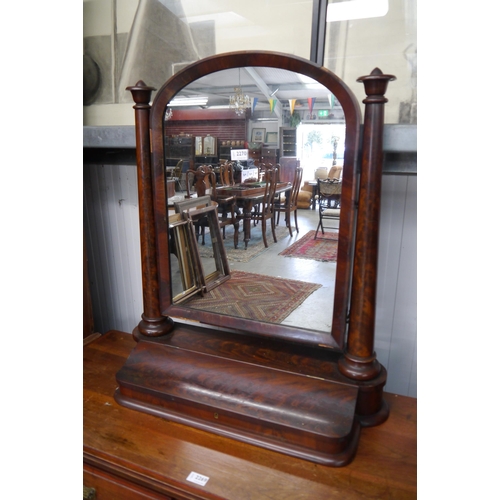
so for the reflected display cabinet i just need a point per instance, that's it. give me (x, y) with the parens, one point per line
(288, 141)
(269, 155)
(180, 146)
(284, 387)
(225, 148)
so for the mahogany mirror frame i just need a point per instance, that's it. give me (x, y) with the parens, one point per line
(352, 114)
(343, 364)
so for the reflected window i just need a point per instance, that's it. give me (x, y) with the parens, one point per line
(362, 33)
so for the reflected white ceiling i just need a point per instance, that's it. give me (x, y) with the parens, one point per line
(259, 82)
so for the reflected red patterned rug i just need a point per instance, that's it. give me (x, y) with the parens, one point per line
(255, 296)
(324, 248)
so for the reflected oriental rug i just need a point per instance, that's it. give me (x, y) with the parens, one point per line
(240, 254)
(324, 248)
(255, 296)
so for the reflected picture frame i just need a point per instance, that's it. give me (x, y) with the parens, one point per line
(184, 244)
(198, 146)
(194, 210)
(258, 134)
(209, 146)
(272, 137)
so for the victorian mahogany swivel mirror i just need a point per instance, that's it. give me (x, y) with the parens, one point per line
(283, 387)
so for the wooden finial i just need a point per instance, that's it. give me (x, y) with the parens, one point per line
(376, 86)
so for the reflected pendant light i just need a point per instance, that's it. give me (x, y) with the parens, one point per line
(239, 102)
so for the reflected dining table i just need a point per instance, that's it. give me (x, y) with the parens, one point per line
(249, 195)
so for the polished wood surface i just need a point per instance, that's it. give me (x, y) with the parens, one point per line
(152, 324)
(358, 362)
(247, 197)
(130, 454)
(217, 382)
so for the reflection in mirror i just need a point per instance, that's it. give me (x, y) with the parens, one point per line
(184, 261)
(291, 120)
(202, 214)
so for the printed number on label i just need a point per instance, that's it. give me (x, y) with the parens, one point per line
(194, 477)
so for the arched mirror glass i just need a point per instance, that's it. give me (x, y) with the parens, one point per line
(255, 117)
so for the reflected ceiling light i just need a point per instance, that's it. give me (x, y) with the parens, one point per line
(189, 101)
(356, 9)
(239, 102)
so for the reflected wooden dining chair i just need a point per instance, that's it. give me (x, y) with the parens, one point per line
(226, 209)
(199, 181)
(289, 204)
(263, 169)
(226, 174)
(328, 191)
(265, 210)
(176, 174)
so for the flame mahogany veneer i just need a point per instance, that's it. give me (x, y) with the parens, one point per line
(274, 386)
(129, 454)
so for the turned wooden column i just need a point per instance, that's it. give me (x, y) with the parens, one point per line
(153, 324)
(360, 361)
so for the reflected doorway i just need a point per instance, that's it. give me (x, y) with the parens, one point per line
(315, 144)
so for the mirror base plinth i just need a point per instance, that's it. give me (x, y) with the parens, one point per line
(272, 396)
(153, 327)
(360, 368)
(371, 409)
(376, 418)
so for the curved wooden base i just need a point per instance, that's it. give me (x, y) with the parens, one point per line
(226, 385)
(338, 459)
(375, 418)
(287, 398)
(370, 405)
(153, 327)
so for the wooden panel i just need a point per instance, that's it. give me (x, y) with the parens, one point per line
(223, 124)
(108, 486)
(287, 412)
(153, 453)
(288, 165)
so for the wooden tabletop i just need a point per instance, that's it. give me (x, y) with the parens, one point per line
(160, 455)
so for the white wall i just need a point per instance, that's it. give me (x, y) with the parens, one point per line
(396, 312)
(111, 225)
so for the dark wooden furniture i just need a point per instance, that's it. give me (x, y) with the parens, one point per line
(269, 155)
(288, 141)
(227, 208)
(181, 147)
(247, 197)
(288, 166)
(255, 152)
(133, 455)
(225, 148)
(264, 210)
(289, 204)
(262, 383)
